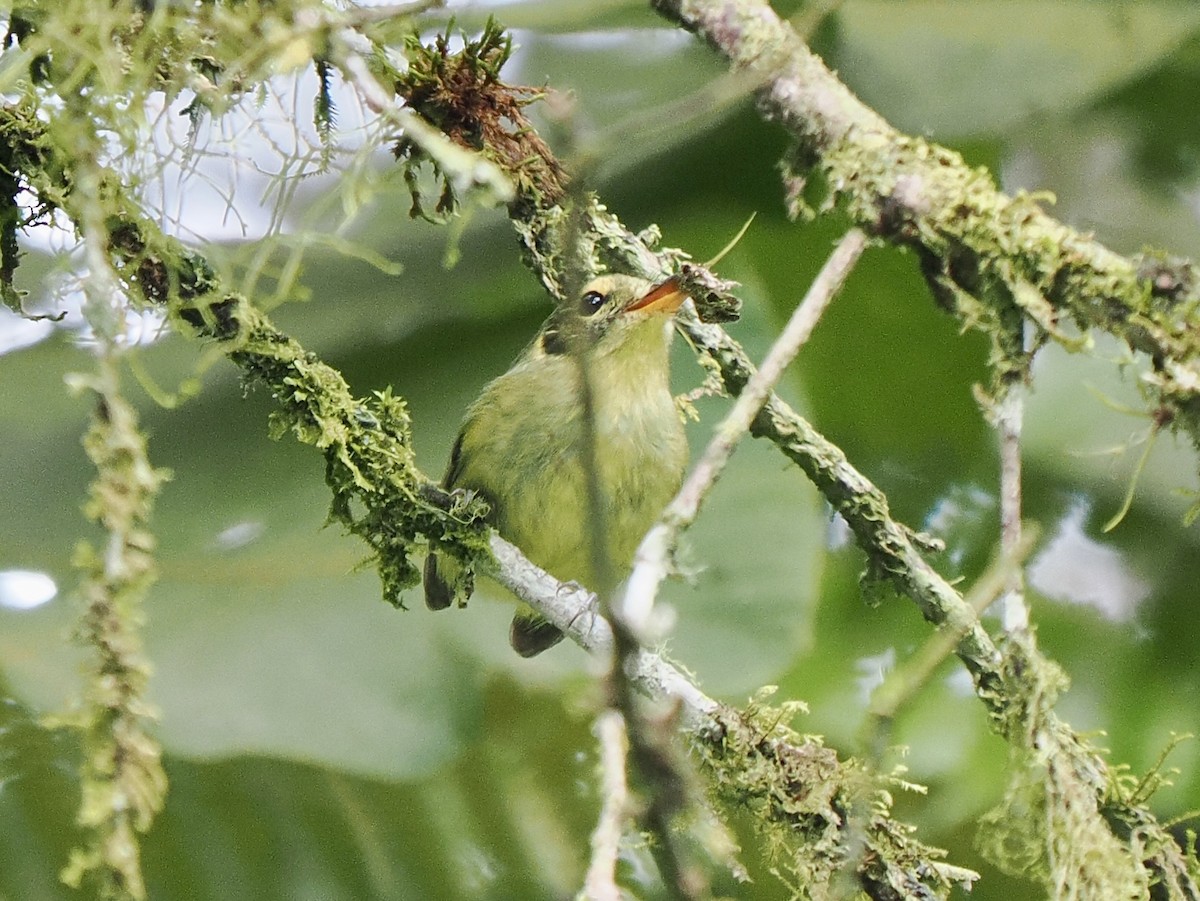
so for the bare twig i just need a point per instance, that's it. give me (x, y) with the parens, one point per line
(1007, 415)
(600, 884)
(660, 773)
(903, 683)
(573, 610)
(653, 556)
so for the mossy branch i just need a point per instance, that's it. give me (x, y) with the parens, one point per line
(824, 821)
(992, 260)
(986, 255)
(378, 492)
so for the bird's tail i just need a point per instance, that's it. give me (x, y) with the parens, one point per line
(530, 633)
(438, 579)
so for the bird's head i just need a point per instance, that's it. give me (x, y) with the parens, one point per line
(612, 313)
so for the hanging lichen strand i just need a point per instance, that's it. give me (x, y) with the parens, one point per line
(122, 780)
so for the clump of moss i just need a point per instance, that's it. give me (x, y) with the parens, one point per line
(826, 823)
(463, 96)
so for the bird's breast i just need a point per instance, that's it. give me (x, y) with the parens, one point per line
(530, 459)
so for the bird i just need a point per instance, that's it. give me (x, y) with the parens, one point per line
(522, 443)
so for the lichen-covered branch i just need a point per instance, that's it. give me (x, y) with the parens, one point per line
(994, 261)
(1010, 679)
(986, 255)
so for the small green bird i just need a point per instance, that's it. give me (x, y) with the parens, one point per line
(522, 442)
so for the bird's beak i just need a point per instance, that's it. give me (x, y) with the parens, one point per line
(664, 298)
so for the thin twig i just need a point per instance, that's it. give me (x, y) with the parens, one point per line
(573, 610)
(600, 883)
(659, 771)
(903, 683)
(652, 560)
(1008, 414)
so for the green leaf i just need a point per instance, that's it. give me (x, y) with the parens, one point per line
(956, 69)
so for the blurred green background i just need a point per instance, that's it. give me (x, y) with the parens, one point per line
(321, 745)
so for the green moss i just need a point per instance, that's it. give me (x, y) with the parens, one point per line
(378, 493)
(826, 824)
(463, 96)
(1050, 825)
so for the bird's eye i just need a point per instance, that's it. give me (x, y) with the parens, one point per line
(590, 303)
